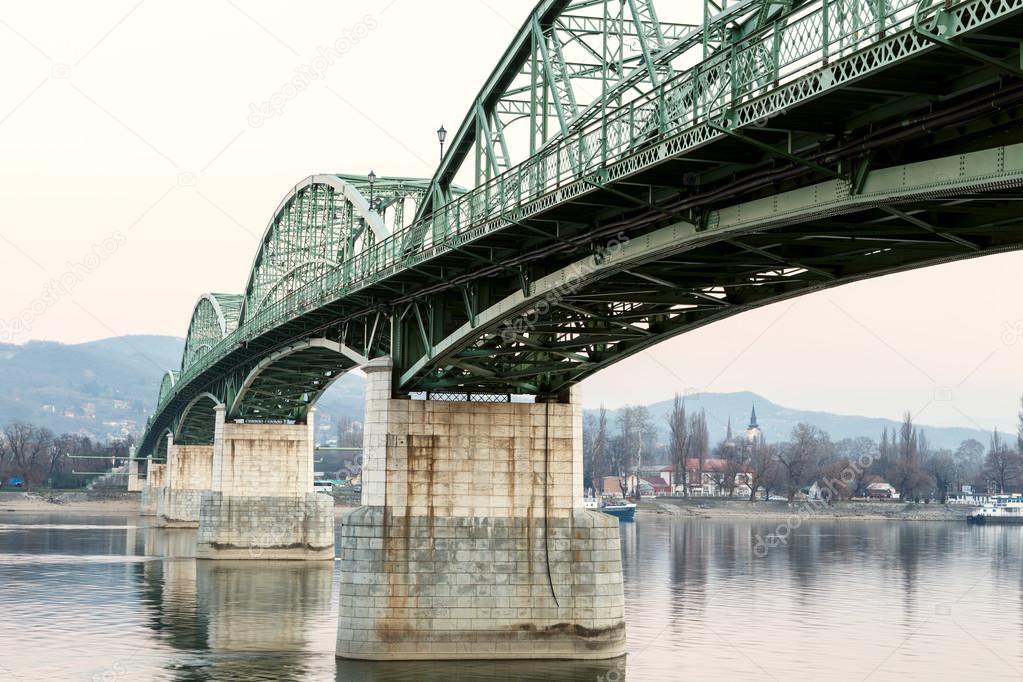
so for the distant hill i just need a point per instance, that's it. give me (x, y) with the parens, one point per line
(777, 421)
(103, 388)
(108, 388)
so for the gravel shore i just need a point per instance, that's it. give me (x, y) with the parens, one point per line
(88, 501)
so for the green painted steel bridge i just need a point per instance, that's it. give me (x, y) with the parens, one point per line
(630, 176)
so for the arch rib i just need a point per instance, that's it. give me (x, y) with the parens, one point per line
(357, 359)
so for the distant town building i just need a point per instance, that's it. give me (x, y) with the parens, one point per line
(658, 486)
(611, 485)
(880, 489)
(709, 479)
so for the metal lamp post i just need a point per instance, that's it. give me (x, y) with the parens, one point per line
(442, 135)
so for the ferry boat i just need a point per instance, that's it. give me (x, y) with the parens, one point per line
(1001, 509)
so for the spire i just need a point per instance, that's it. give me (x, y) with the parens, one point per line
(728, 433)
(753, 418)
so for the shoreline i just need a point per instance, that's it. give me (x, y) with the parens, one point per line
(732, 509)
(122, 503)
(84, 502)
(74, 502)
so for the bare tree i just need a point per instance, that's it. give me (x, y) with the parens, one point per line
(1019, 430)
(28, 447)
(65, 447)
(761, 465)
(907, 473)
(636, 436)
(1002, 467)
(941, 466)
(800, 457)
(700, 440)
(678, 447)
(589, 461)
(602, 446)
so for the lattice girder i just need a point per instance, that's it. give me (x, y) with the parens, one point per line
(213, 318)
(323, 222)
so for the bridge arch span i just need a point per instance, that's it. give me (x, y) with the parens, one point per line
(160, 451)
(322, 222)
(170, 379)
(213, 318)
(197, 423)
(285, 385)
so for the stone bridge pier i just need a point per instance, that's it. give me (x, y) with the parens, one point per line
(188, 476)
(472, 541)
(261, 504)
(153, 489)
(134, 482)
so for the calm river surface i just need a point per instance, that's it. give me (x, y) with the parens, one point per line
(108, 598)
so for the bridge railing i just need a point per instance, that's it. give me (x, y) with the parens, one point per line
(805, 41)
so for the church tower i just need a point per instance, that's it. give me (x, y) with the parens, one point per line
(753, 431)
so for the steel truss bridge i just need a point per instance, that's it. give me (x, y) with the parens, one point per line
(631, 176)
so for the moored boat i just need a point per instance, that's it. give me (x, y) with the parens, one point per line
(1002, 509)
(624, 511)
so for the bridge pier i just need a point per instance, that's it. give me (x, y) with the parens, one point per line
(262, 504)
(153, 490)
(472, 542)
(188, 476)
(134, 482)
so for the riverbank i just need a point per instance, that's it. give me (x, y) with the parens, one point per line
(98, 502)
(84, 501)
(858, 511)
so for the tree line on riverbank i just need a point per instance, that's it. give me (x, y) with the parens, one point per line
(901, 457)
(38, 457)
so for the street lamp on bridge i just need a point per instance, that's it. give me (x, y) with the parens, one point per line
(442, 135)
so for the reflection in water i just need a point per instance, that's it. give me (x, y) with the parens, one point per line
(482, 671)
(114, 600)
(251, 618)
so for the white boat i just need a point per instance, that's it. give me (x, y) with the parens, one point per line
(1007, 509)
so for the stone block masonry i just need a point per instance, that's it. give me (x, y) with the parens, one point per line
(189, 474)
(134, 482)
(261, 504)
(153, 489)
(473, 542)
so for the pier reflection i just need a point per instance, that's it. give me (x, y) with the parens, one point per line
(240, 620)
(481, 671)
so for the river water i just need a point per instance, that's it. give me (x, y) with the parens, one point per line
(108, 598)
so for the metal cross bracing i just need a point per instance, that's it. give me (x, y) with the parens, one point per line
(773, 148)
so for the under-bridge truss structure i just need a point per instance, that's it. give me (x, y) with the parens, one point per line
(629, 176)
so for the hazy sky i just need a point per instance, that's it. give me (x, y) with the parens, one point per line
(134, 172)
